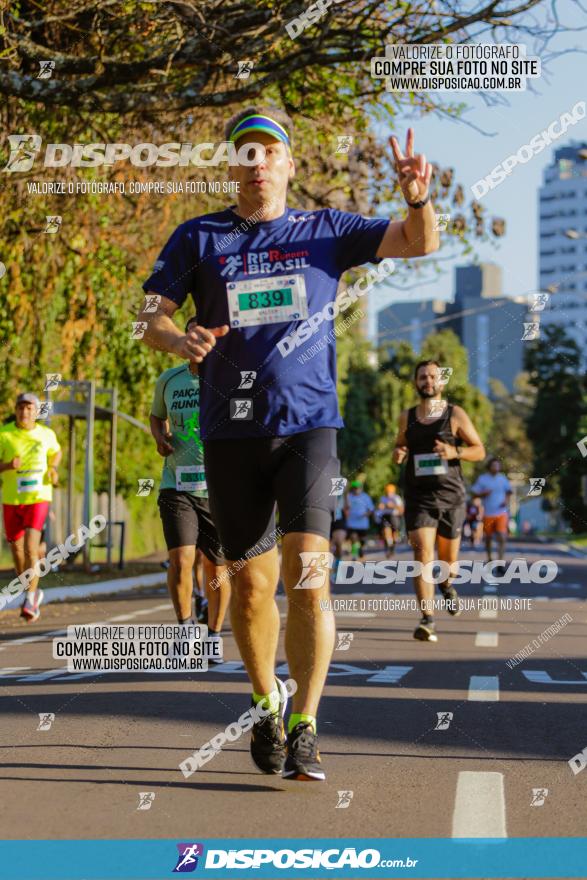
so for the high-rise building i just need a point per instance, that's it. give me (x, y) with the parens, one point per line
(489, 324)
(563, 241)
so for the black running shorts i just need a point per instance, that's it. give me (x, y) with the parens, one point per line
(448, 523)
(247, 479)
(187, 522)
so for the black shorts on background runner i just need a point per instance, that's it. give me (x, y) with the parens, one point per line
(247, 478)
(448, 523)
(187, 522)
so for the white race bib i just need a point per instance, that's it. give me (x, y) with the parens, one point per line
(429, 464)
(190, 478)
(263, 300)
(29, 481)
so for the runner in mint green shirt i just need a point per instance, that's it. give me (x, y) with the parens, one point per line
(183, 496)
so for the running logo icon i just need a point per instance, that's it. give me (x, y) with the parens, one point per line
(52, 381)
(46, 69)
(45, 409)
(343, 641)
(344, 800)
(138, 329)
(441, 222)
(444, 719)
(151, 302)
(315, 567)
(338, 485)
(145, 487)
(539, 795)
(23, 151)
(241, 410)
(531, 331)
(244, 69)
(538, 301)
(345, 142)
(187, 860)
(444, 375)
(46, 719)
(146, 799)
(537, 484)
(52, 225)
(247, 379)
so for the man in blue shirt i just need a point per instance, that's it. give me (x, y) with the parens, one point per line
(495, 489)
(264, 280)
(359, 508)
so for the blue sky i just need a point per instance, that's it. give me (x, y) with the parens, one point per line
(473, 155)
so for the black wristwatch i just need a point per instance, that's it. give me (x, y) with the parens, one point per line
(419, 204)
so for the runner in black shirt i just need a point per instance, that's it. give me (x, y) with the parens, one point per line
(433, 437)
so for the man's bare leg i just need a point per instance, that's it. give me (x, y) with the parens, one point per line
(180, 581)
(217, 592)
(255, 617)
(310, 630)
(422, 542)
(32, 540)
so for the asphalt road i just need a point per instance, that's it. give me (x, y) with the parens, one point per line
(115, 736)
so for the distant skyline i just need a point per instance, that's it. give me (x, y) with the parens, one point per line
(473, 155)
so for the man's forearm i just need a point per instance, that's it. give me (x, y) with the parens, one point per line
(161, 333)
(419, 233)
(5, 466)
(472, 453)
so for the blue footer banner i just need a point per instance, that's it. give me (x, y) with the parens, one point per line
(525, 857)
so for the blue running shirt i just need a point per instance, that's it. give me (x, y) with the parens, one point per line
(245, 276)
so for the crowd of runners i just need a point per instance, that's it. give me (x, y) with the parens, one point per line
(247, 432)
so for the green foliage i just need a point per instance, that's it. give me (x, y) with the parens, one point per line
(375, 398)
(558, 420)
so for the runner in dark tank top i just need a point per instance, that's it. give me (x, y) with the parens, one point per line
(432, 439)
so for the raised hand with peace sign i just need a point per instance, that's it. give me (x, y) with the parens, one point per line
(414, 171)
(416, 236)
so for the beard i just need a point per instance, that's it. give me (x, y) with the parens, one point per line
(426, 395)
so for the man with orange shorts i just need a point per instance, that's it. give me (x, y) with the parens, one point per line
(495, 490)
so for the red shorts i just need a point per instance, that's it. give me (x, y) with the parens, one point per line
(18, 517)
(493, 524)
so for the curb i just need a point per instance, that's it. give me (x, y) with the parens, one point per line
(104, 588)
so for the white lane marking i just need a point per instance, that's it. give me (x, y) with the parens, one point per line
(11, 670)
(540, 676)
(483, 688)
(486, 640)
(488, 614)
(120, 618)
(345, 614)
(27, 640)
(479, 805)
(152, 610)
(43, 676)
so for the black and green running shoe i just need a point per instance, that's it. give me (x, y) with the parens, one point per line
(268, 737)
(303, 758)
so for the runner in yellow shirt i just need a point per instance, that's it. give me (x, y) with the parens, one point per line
(29, 456)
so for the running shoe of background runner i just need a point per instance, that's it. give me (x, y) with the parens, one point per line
(215, 661)
(303, 758)
(201, 609)
(268, 737)
(426, 631)
(30, 608)
(453, 603)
